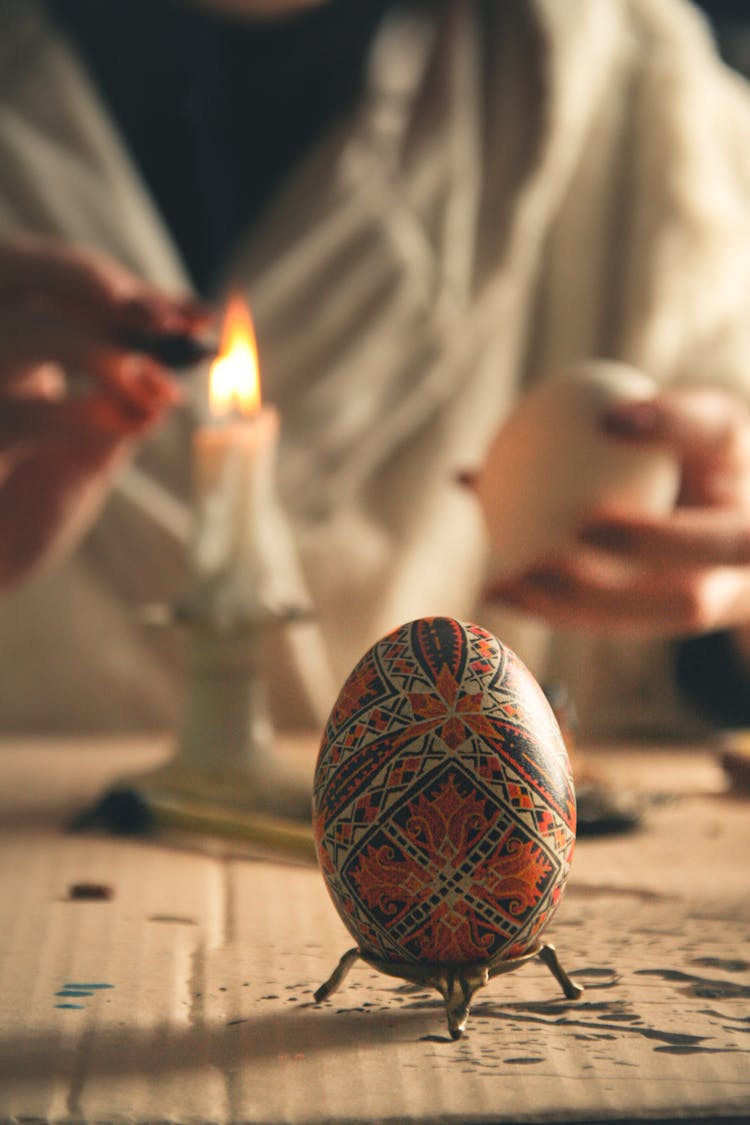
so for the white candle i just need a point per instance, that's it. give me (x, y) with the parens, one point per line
(244, 569)
(234, 470)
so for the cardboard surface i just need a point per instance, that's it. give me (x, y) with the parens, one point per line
(205, 965)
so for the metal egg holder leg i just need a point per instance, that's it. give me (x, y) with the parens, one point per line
(456, 984)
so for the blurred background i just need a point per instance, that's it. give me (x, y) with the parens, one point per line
(731, 23)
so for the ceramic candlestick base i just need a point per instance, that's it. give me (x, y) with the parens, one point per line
(457, 984)
(226, 779)
(225, 752)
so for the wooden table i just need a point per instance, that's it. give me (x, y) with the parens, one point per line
(201, 967)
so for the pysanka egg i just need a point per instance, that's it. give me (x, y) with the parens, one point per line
(444, 810)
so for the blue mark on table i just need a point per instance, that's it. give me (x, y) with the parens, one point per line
(79, 989)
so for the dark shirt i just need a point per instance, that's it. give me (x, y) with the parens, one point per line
(216, 110)
(730, 20)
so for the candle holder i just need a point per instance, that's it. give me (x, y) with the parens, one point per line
(225, 746)
(226, 739)
(226, 778)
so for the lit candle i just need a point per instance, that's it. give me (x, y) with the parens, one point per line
(238, 530)
(245, 577)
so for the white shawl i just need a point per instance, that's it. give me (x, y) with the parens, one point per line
(523, 184)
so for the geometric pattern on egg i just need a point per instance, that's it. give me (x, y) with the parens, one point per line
(444, 808)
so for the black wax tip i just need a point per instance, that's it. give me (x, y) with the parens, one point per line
(173, 349)
(123, 811)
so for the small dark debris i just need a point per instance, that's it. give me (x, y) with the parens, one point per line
(90, 892)
(682, 1049)
(174, 919)
(591, 972)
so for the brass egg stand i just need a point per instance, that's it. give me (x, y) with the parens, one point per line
(457, 984)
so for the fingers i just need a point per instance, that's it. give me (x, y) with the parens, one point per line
(689, 538)
(631, 603)
(98, 418)
(65, 309)
(91, 287)
(678, 576)
(688, 419)
(708, 430)
(31, 338)
(646, 576)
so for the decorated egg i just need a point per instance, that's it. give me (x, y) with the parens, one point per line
(444, 810)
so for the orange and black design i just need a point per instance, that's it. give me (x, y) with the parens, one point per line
(444, 804)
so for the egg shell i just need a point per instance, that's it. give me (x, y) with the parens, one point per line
(444, 809)
(551, 462)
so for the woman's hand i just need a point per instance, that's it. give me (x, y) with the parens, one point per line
(681, 575)
(74, 393)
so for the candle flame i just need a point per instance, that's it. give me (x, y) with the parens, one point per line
(234, 380)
